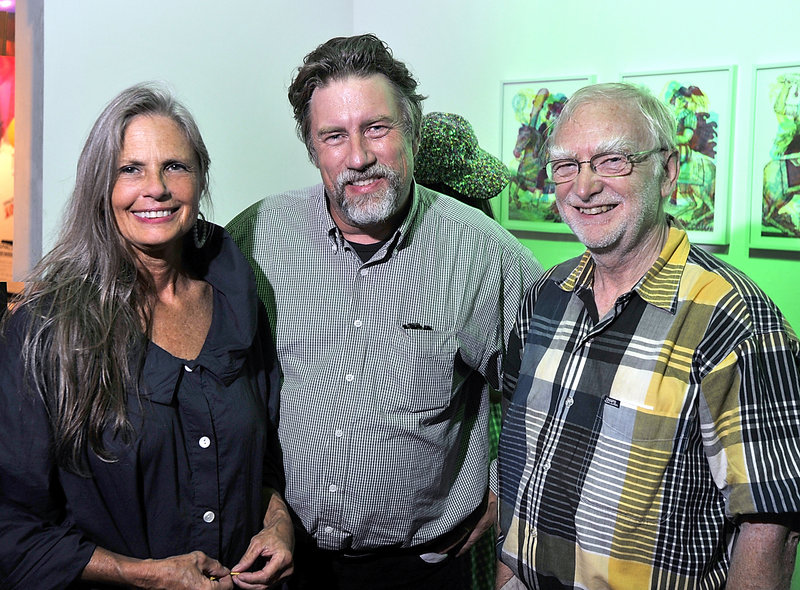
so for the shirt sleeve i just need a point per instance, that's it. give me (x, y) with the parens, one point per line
(518, 278)
(752, 441)
(37, 548)
(518, 335)
(274, 476)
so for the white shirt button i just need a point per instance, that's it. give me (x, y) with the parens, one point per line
(363, 272)
(570, 400)
(187, 368)
(204, 442)
(329, 529)
(349, 377)
(546, 466)
(333, 488)
(534, 532)
(338, 432)
(209, 516)
(333, 247)
(357, 323)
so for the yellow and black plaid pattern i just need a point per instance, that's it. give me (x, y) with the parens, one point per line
(631, 442)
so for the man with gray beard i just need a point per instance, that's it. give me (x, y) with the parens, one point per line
(392, 306)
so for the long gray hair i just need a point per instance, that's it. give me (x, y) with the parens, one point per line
(88, 301)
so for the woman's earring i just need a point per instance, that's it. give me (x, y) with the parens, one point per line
(200, 230)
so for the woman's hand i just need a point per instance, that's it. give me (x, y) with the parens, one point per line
(275, 542)
(191, 571)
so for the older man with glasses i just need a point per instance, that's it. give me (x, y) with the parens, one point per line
(651, 435)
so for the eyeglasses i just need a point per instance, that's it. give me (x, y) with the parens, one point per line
(606, 164)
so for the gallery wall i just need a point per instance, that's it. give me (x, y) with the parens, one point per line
(232, 62)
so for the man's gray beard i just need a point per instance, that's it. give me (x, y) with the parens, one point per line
(650, 210)
(371, 209)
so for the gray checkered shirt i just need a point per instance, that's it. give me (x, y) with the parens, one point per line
(384, 406)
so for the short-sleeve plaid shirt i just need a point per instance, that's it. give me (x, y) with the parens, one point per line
(384, 406)
(632, 442)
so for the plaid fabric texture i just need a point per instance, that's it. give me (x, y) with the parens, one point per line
(633, 441)
(384, 407)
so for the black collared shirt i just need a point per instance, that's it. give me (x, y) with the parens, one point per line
(190, 480)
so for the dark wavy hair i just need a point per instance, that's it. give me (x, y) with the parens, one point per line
(361, 56)
(88, 301)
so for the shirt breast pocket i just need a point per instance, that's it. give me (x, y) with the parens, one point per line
(638, 454)
(419, 370)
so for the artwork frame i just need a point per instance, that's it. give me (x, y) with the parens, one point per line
(775, 220)
(528, 202)
(704, 102)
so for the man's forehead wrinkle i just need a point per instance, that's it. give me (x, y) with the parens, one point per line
(610, 123)
(615, 144)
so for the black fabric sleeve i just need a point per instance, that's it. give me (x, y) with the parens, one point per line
(274, 476)
(37, 548)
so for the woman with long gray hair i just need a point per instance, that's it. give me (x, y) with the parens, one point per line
(135, 375)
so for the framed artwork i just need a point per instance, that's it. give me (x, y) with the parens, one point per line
(775, 171)
(529, 108)
(702, 101)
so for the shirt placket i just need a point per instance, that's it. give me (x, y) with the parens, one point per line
(333, 489)
(200, 444)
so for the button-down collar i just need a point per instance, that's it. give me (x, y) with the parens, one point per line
(658, 287)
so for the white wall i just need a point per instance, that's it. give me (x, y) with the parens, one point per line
(230, 62)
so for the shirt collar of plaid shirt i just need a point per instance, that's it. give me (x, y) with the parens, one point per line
(656, 287)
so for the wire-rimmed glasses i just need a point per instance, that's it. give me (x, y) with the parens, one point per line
(606, 164)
